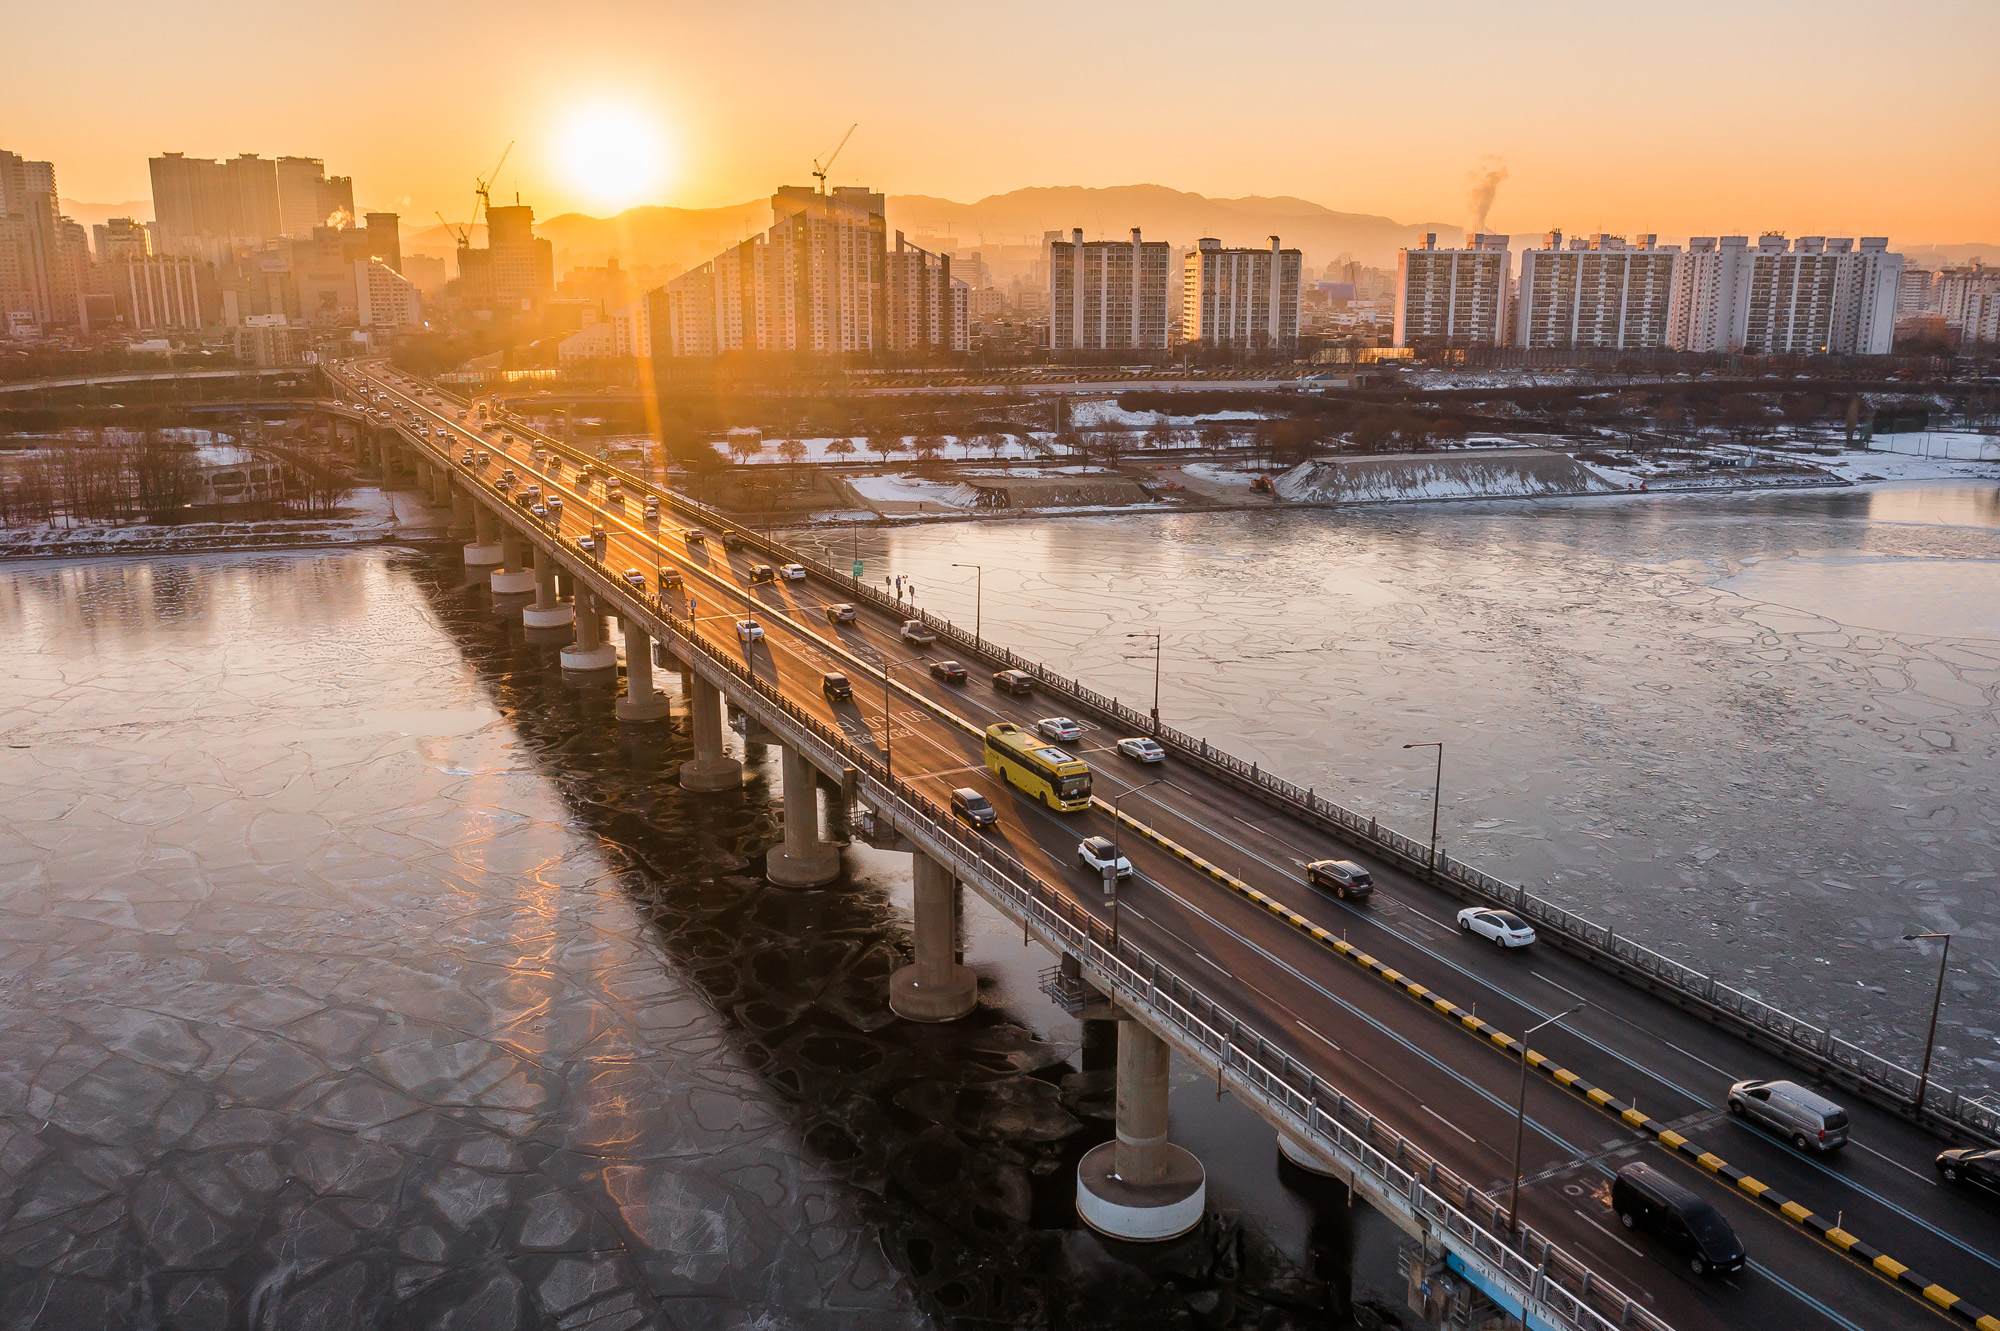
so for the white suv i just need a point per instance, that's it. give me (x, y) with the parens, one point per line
(1097, 853)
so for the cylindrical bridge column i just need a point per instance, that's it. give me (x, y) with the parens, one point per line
(461, 509)
(935, 987)
(485, 551)
(589, 653)
(641, 702)
(547, 612)
(711, 768)
(515, 578)
(803, 860)
(1141, 1186)
(441, 487)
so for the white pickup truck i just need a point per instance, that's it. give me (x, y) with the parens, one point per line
(915, 632)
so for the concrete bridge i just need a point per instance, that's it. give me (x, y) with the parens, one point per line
(1382, 1047)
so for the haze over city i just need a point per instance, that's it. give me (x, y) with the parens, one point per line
(1294, 667)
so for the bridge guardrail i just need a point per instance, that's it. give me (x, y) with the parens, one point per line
(1803, 1041)
(1535, 1269)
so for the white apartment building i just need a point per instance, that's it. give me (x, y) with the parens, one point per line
(1916, 294)
(1805, 297)
(384, 298)
(1108, 295)
(1599, 292)
(1454, 297)
(927, 308)
(1242, 298)
(812, 282)
(1969, 300)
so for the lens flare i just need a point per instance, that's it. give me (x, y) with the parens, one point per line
(614, 156)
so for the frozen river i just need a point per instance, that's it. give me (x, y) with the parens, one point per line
(1760, 733)
(356, 970)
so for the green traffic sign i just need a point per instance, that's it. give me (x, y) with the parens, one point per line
(857, 568)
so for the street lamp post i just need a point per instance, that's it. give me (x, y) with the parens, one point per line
(978, 595)
(1111, 874)
(1437, 793)
(888, 756)
(1156, 675)
(1521, 1115)
(1937, 1000)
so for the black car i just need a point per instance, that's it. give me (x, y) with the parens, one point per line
(951, 672)
(973, 807)
(1644, 1198)
(836, 687)
(1344, 878)
(1971, 1169)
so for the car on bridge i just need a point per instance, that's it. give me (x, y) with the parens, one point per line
(749, 631)
(915, 632)
(1017, 682)
(1097, 853)
(1809, 1121)
(695, 536)
(1140, 749)
(731, 541)
(763, 573)
(793, 572)
(836, 687)
(972, 807)
(652, 509)
(671, 581)
(585, 544)
(540, 513)
(634, 578)
(840, 614)
(951, 672)
(1502, 926)
(1059, 728)
(1344, 878)
(1977, 1171)
(1646, 1199)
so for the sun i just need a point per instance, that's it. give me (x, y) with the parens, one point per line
(614, 156)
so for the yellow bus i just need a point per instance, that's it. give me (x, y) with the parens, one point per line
(1056, 778)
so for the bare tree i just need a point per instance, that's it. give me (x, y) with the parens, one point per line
(164, 476)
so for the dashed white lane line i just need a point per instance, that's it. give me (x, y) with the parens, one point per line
(1606, 1233)
(1316, 1035)
(1449, 1124)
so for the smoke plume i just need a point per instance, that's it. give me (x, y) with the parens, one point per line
(1485, 184)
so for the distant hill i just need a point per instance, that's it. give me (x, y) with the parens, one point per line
(97, 214)
(1176, 216)
(650, 237)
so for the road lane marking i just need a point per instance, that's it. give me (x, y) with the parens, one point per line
(1553, 985)
(1606, 1233)
(1897, 1163)
(1316, 1035)
(1449, 1124)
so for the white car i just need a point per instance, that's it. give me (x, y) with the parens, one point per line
(915, 632)
(749, 630)
(1502, 926)
(1142, 750)
(1059, 728)
(840, 614)
(1097, 853)
(793, 572)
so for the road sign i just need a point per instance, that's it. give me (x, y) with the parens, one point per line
(857, 568)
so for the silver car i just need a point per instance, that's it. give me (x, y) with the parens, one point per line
(1809, 1121)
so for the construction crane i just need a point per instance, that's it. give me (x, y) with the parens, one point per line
(819, 172)
(457, 233)
(484, 188)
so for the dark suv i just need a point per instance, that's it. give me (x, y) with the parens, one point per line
(1644, 1198)
(1344, 878)
(836, 687)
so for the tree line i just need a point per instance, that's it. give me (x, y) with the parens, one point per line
(151, 475)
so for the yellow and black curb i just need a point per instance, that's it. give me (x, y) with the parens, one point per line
(1883, 1265)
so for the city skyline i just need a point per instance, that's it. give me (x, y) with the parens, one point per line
(1704, 135)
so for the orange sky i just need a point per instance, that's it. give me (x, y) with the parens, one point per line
(1841, 118)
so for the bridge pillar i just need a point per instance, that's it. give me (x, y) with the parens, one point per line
(546, 612)
(485, 549)
(711, 768)
(461, 510)
(1140, 1186)
(441, 490)
(423, 470)
(803, 860)
(589, 653)
(641, 702)
(514, 578)
(936, 987)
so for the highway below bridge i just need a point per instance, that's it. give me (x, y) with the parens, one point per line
(1379, 1040)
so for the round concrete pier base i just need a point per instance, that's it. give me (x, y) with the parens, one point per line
(933, 1002)
(1306, 1160)
(477, 554)
(816, 868)
(512, 582)
(712, 774)
(601, 657)
(1140, 1213)
(555, 617)
(636, 711)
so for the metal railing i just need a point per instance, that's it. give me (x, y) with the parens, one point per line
(1395, 1171)
(1809, 1044)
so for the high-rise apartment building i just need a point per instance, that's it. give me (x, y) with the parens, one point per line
(1969, 301)
(814, 282)
(385, 239)
(1916, 294)
(384, 298)
(1108, 295)
(301, 181)
(207, 207)
(1599, 292)
(164, 292)
(926, 307)
(516, 271)
(1807, 297)
(38, 289)
(119, 239)
(1246, 299)
(1454, 297)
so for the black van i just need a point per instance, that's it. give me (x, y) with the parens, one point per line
(1644, 1198)
(836, 687)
